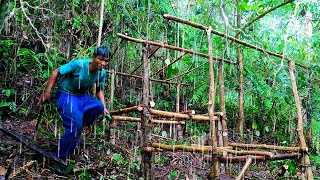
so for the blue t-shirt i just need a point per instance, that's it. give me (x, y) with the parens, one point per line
(76, 78)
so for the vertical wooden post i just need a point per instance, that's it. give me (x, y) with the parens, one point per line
(240, 123)
(214, 172)
(223, 110)
(305, 158)
(147, 164)
(179, 126)
(101, 22)
(113, 124)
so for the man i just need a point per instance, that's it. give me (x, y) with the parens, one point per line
(76, 107)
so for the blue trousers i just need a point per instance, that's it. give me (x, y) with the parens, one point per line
(76, 112)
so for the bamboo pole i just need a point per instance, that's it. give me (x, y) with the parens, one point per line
(199, 26)
(172, 47)
(181, 116)
(265, 146)
(154, 80)
(147, 165)
(245, 169)
(179, 127)
(113, 124)
(214, 171)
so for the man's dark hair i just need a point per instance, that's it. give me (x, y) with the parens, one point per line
(102, 51)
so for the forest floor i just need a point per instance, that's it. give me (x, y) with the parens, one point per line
(97, 158)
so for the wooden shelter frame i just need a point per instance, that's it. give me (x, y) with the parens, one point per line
(221, 149)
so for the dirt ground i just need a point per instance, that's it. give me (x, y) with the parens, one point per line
(97, 158)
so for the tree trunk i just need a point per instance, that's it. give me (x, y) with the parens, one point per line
(240, 123)
(148, 169)
(214, 172)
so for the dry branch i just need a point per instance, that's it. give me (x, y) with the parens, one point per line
(265, 146)
(199, 26)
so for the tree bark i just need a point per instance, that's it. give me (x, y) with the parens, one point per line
(113, 124)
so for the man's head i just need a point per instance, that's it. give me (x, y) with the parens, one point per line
(102, 51)
(101, 57)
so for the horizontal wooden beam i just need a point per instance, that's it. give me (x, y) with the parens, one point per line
(171, 47)
(237, 159)
(199, 26)
(180, 116)
(265, 146)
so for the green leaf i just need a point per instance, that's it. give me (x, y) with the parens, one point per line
(164, 134)
(4, 104)
(118, 158)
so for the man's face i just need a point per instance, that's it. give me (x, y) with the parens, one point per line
(103, 61)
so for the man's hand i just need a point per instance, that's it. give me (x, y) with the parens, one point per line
(105, 111)
(45, 97)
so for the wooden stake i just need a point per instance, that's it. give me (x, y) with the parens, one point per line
(245, 169)
(113, 124)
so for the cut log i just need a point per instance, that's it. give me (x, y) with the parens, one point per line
(126, 118)
(261, 153)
